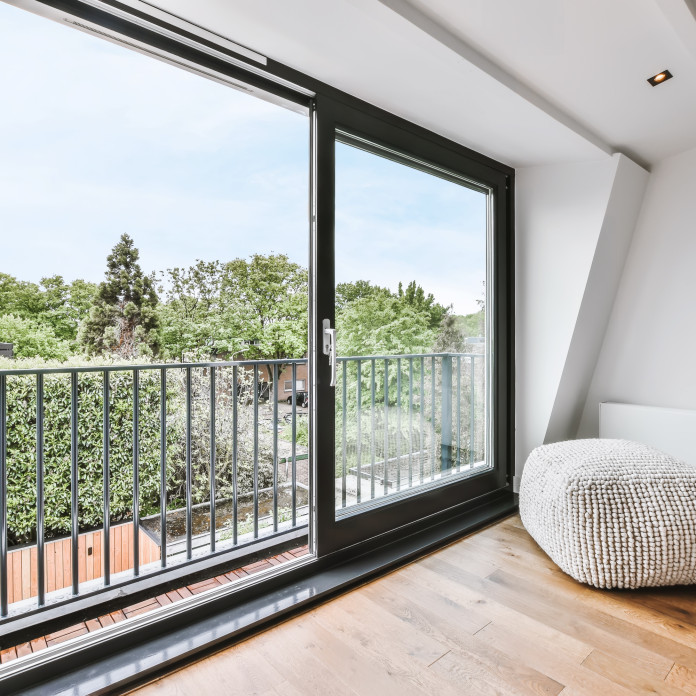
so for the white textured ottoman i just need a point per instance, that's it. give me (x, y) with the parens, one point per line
(612, 513)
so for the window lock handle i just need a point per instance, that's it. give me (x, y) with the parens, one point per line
(329, 345)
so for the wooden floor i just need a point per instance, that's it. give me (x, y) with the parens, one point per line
(489, 614)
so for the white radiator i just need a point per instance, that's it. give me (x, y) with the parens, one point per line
(671, 430)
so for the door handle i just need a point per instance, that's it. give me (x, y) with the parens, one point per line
(330, 348)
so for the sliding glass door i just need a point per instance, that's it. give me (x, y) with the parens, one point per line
(196, 375)
(410, 336)
(412, 392)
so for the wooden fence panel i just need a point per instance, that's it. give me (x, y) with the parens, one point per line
(22, 566)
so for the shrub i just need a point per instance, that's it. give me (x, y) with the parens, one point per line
(226, 393)
(21, 450)
(31, 339)
(21, 444)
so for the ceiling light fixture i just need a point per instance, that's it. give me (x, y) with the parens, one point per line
(660, 77)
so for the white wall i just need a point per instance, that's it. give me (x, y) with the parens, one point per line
(574, 224)
(649, 351)
(620, 218)
(559, 211)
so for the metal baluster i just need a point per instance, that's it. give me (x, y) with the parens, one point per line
(386, 427)
(3, 497)
(74, 530)
(235, 408)
(398, 424)
(343, 439)
(136, 473)
(359, 432)
(106, 487)
(189, 512)
(163, 467)
(294, 444)
(40, 558)
(212, 460)
(275, 448)
(256, 452)
(446, 415)
(422, 419)
(472, 416)
(374, 448)
(432, 419)
(459, 412)
(410, 422)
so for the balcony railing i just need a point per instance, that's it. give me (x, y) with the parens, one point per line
(405, 421)
(109, 474)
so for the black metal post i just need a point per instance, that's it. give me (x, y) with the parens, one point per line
(275, 447)
(40, 551)
(189, 513)
(344, 404)
(106, 488)
(256, 452)
(212, 460)
(74, 528)
(446, 415)
(235, 410)
(294, 445)
(136, 473)
(359, 432)
(3, 497)
(163, 467)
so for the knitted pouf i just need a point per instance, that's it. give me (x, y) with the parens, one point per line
(612, 513)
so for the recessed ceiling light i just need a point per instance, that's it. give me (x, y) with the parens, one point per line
(660, 77)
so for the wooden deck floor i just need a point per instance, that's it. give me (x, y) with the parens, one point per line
(99, 622)
(487, 615)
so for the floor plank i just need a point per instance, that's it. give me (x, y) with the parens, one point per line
(489, 615)
(683, 678)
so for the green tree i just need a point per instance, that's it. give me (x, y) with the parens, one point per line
(349, 292)
(20, 298)
(191, 317)
(383, 324)
(32, 340)
(53, 302)
(123, 319)
(65, 305)
(455, 329)
(267, 298)
(451, 338)
(415, 297)
(258, 307)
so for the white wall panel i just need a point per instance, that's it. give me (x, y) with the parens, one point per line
(649, 351)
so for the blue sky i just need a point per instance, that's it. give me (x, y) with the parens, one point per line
(394, 223)
(98, 140)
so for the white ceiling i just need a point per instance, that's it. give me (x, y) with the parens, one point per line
(524, 82)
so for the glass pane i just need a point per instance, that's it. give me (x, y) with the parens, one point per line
(151, 218)
(412, 397)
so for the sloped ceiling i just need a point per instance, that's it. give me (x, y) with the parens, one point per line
(591, 58)
(531, 82)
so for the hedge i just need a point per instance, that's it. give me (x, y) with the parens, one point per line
(21, 446)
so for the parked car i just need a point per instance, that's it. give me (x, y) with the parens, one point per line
(301, 399)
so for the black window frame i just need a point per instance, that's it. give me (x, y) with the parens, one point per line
(408, 140)
(328, 107)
